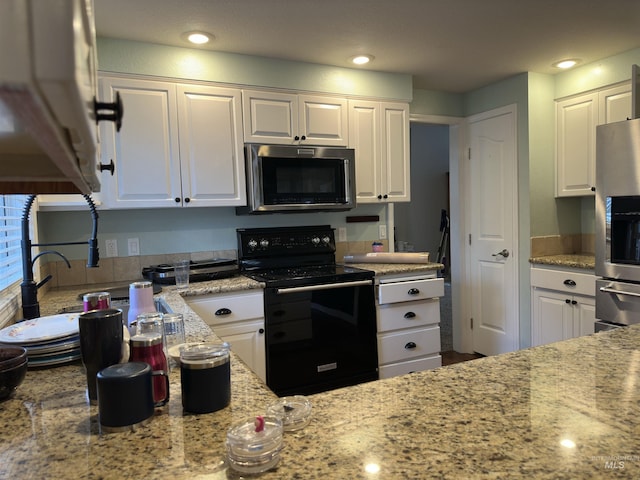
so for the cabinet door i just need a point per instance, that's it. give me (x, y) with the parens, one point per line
(211, 155)
(575, 145)
(323, 121)
(364, 137)
(584, 316)
(552, 317)
(614, 104)
(395, 147)
(270, 117)
(145, 151)
(246, 339)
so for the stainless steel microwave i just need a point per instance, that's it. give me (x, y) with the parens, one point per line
(290, 178)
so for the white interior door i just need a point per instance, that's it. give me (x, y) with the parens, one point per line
(493, 224)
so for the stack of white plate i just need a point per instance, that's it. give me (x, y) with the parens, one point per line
(52, 340)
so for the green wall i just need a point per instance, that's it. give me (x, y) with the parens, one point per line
(123, 56)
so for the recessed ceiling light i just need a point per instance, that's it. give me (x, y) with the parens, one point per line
(197, 38)
(568, 63)
(361, 59)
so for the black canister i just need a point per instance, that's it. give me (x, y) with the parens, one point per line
(125, 396)
(205, 376)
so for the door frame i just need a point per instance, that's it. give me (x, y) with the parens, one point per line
(460, 304)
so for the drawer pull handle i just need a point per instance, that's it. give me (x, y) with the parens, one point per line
(409, 315)
(570, 283)
(223, 311)
(410, 345)
(413, 291)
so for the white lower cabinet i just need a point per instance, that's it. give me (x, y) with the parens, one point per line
(562, 305)
(237, 318)
(408, 321)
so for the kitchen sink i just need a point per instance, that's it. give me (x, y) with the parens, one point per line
(161, 306)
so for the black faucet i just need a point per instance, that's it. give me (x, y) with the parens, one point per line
(29, 288)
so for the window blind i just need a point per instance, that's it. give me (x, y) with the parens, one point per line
(11, 207)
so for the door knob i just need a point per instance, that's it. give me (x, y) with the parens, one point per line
(504, 253)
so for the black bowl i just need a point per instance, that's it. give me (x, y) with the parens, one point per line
(11, 378)
(10, 356)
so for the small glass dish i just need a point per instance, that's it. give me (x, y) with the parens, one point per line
(254, 450)
(295, 412)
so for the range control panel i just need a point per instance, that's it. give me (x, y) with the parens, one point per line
(282, 241)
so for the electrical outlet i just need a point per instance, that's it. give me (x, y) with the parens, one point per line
(134, 247)
(382, 231)
(342, 234)
(111, 245)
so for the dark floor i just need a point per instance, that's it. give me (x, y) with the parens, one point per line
(451, 357)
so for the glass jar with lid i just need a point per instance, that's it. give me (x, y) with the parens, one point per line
(205, 377)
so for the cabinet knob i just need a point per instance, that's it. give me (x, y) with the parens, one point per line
(379, 197)
(107, 166)
(223, 311)
(593, 189)
(115, 111)
(385, 196)
(177, 199)
(569, 283)
(187, 200)
(567, 301)
(410, 345)
(296, 138)
(261, 331)
(409, 315)
(304, 137)
(413, 291)
(574, 302)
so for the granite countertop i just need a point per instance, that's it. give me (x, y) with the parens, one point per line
(585, 261)
(394, 268)
(507, 416)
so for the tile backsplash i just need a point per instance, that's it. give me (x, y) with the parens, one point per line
(563, 245)
(128, 269)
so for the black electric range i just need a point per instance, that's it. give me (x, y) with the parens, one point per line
(320, 319)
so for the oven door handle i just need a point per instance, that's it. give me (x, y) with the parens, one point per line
(619, 292)
(326, 286)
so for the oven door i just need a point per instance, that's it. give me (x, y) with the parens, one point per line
(320, 337)
(617, 302)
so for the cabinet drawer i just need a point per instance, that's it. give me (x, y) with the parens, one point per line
(394, 347)
(394, 316)
(402, 368)
(410, 290)
(564, 281)
(241, 306)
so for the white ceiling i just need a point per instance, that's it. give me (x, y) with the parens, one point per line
(447, 45)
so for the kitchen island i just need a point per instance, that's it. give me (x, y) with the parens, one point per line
(565, 410)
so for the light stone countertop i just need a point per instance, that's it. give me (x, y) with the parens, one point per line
(583, 261)
(497, 417)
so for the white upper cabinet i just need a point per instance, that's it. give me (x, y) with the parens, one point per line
(211, 146)
(576, 121)
(158, 164)
(379, 133)
(289, 119)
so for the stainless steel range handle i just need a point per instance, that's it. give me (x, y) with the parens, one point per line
(619, 292)
(326, 286)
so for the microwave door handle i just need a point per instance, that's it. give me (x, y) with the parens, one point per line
(327, 286)
(619, 292)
